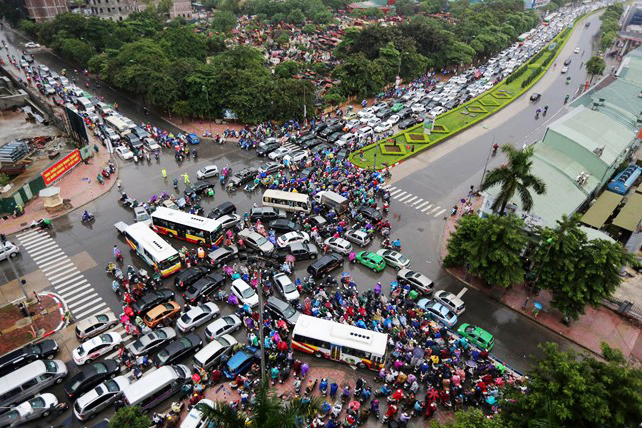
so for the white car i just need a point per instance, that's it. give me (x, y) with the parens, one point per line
(245, 293)
(577, 50)
(392, 120)
(10, 250)
(224, 325)
(352, 124)
(382, 127)
(366, 112)
(96, 347)
(564, 69)
(292, 238)
(197, 316)
(152, 144)
(279, 153)
(339, 245)
(38, 407)
(374, 121)
(394, 259)
(296, 156)
(366, 118)
(31, 45)
(49, 90)
(195, 418)
(437, 111)
(228, 221)
(23, 63)
(124, 153)
(418, 108)
(286, 287)
(207, 171)
(451, 301)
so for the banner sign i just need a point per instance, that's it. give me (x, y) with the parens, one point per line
(56, 170)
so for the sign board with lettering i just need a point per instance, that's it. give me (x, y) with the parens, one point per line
(56, 170)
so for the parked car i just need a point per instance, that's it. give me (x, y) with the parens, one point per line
(163, 313)
(438, 312)
(95, 324)
(477, 335)
(394, 259)
(225, 325)
(282, 310)
(222, 255)
(197, 316)
(40, 406)
(451, 301)
(91, 376)
(407, 123)
(152, 298)
(149, 342)
(96, 347)
(178, 349)
(241, 362)
(285, 286)
(279, 153)
(246, 294)
(267, 149)
(189, 276)
(99, 398)
(415, 279)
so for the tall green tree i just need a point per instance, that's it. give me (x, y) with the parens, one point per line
(471, 418)
(594, 66)
(182, 42)
(359, 76)
(514, 177)
(490, 247)
(267, 410)
(579, 391)
(223, 21)
(129, 417)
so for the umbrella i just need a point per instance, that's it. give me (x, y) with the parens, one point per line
(432, 394)
(290, 258)
(491, 400)
(196, 378)
(345, 274)
(354, 405)
(499, 381)
(537, 305)
(471, 364)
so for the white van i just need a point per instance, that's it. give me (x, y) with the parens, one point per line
(212, 353)
(366, 131)
(118, 125)
(86, 105)
(29, 380)
(156, 386)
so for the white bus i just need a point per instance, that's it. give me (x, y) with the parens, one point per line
(289, 201)
(189, 227)
(153, 249)
(118, 125)
(340, 342)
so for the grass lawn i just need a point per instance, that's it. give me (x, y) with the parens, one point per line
(458, 119)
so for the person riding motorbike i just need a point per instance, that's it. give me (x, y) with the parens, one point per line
(495, 148)
(117, 254)
(86, 216)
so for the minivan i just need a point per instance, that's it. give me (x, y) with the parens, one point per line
(156, 386)
(325, 264)
(92, 402)
(211, 354)
(241, 362)
(29, 380)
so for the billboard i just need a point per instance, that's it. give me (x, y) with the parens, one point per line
(78, 131)
(58, 169)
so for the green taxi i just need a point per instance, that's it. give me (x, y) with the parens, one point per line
(477, 335)
(372, 260)
(397, 107)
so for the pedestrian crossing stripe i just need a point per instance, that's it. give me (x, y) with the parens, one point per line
(67, 280)
(413, 201)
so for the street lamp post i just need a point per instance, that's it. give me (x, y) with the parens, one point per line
(492, 144)
(259, 290)
(207, 99)
(22, 282)
(374, 165)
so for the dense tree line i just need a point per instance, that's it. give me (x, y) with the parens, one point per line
(175, 68)
(610, 26)
(409, 49)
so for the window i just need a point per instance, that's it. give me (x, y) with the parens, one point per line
(30, 383)
(150, 400)
(9, 395)
(45, 377)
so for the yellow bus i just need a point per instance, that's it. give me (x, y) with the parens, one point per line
(188, 227)
(153, 249)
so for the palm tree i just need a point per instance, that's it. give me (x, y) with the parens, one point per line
(266, 410)
(514, 177)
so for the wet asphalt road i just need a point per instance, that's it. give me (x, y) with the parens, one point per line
(516, 338)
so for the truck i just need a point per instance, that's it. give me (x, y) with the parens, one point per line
(332, 200)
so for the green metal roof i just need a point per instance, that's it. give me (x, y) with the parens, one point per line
(631, 67)
(630, 216)
(602, 209)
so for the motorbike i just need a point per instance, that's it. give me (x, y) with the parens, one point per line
(43, 223)
(18, 211)
(156, 155)
(100, 179)
(105, 173)
(386, 207)
(135, 159)
(195, 153)
(86, 219)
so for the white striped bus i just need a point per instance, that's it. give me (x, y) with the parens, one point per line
(153, 249)
(340, 342)
(189, 227)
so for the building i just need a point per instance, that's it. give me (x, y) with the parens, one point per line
(118, 10)
(631, 30)
(581, 151)
(44, 10)
(535, 4)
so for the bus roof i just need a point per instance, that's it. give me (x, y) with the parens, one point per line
(293, 196)
(342, 334)
(187, 219)
(154, 244)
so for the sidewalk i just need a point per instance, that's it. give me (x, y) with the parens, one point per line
(79, 186)
(589, 331)
(17, 330)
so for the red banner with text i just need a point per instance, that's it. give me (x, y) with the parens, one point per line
(56, 170)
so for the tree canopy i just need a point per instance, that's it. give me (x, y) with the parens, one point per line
(129, 417)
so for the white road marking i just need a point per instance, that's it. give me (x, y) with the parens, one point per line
(62, 288)
(462, 292)
(440, 212)
(410, 200)
(76, 290)
(414, 204)
(27, 234)
(396, 195)
(55, 268)
(435, 209)
(405, 197)
(90, 294)
(80, 315)
(66, 275)
(46, 247)
(427, 208)
(422, 204)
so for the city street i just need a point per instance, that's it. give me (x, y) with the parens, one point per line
(423, 191)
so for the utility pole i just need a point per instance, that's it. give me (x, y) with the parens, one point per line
(22, 282)
(259, 290)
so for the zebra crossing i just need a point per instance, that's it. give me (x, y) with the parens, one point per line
(413, 201)
(81, 298)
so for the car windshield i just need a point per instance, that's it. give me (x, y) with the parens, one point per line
(100, 368)
(229, 320)
(105, 338)
(163, 356)
(37, 402)
(261, 241)
(186, 319)
(288, 311)
(289, 288)
(102, 318)
(247, 293)
(402, 259)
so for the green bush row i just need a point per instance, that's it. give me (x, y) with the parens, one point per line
(521, 70)
(534, 73)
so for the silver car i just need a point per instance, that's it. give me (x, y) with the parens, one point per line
(358, 237)
(415, 279)
(221, 326)
(256, 241)
(339, 245)
(151, 341)
(197, 316)
(92, 402)
(95, 324)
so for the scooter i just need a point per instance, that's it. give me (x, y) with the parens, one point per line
(135, 159)
(87, 219)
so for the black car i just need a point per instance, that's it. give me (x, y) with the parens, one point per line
(203, 287)
(284, 225)
(197, 188)
(407, 123)
(266, 214)
(567, 62)
(325, 264)
(369, 213)
(152, 298)
(307, 137)
(140, 132)
(307, 173)
(91, 376)
(27, 354)
(317, 128)
(267, 148)
(330, 130)
(134, 141)
(28, 58)
(221, 255)
(300, 251)
(308, 144)
(243, 176)
(187, 277)
(222, 209)
(342, 154)
(536, 96)
(282, 310)
(178, 349)
(384, 113)
(333, 138)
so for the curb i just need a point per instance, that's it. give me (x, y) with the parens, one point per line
(62, 308)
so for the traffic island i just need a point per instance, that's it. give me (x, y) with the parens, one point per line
(26, 322)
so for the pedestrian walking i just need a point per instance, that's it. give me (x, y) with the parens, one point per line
(164, 173)
(119, 184)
